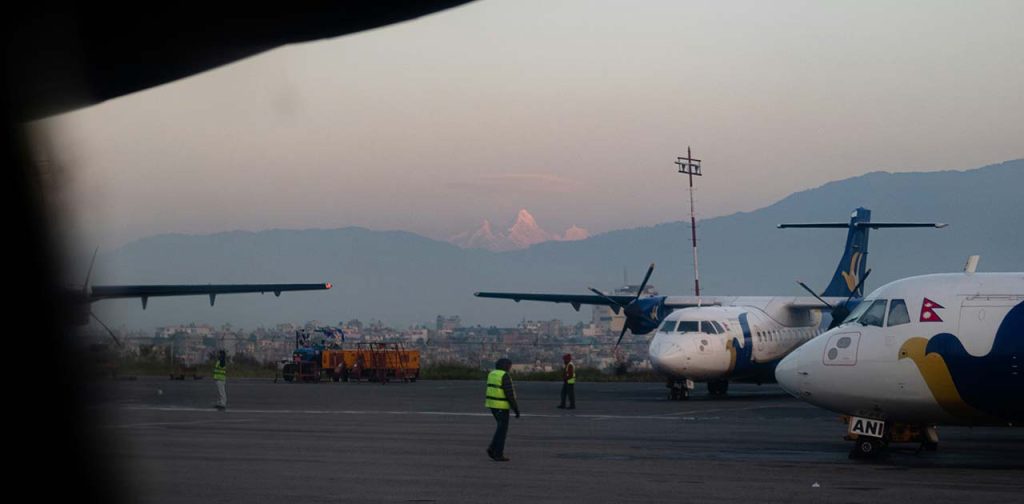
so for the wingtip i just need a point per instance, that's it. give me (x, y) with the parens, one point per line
(328, 285)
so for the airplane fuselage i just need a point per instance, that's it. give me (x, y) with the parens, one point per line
(944, 349)
(740, 342)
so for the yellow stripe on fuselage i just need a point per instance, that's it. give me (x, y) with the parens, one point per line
(936, 374)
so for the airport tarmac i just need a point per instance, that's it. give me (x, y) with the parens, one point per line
(425, 442)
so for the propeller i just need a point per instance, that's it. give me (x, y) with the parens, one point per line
(85, 295)
(616, 306)
(111, 333)
(840, 312)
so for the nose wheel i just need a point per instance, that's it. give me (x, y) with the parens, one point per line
(876, 445)
(679, 390)
(868, 448)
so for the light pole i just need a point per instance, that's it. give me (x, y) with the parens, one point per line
(691, 167)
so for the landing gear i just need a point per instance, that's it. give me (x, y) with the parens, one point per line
(868, 448)
(718, 388)
(872, 438)
(679, 390)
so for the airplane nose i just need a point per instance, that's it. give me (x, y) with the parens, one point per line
(787, 373)
(666, 355)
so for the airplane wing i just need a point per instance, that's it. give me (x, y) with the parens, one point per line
(807, 302)
(573, 299)
(144, 292)
(675, 302)
(691, 301)
(795, 303)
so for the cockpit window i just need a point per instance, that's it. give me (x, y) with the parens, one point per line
(874, 315)
(718, 327)
(701, 326)
(857, 311)
(668, 326)
(898, 314)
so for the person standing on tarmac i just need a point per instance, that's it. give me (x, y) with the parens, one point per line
(220, 376)
(568, 382)
(501, 397)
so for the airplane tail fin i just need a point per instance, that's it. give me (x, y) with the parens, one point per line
(854, 261)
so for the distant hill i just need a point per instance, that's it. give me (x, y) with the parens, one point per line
(402, 278)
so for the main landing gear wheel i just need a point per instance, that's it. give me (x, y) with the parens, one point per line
(718, 388)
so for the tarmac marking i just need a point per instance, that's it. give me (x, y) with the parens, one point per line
(163, 424)
(689, 416)
(749, 408)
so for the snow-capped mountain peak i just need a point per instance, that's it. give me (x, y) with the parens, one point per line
(524, 232)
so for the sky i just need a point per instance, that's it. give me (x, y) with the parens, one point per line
(574, 110)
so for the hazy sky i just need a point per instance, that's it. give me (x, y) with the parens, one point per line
(575, 110)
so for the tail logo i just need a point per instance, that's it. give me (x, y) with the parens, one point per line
(852, 278)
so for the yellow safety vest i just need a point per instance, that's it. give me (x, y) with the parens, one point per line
(572, 378)
(495, 394)
(220, 373)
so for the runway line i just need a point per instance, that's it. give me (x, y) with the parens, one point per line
(162, 424)
(749, 408)
(672, 416)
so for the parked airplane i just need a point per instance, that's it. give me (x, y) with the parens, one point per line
(925, 350)
(716, 339)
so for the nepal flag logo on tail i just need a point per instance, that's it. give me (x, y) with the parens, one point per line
(928, 308)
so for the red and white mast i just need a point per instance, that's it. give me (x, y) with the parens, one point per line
(691, 167)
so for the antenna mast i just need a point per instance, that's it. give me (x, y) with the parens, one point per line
(691, 167)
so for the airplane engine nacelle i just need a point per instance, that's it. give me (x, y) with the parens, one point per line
(645, 315)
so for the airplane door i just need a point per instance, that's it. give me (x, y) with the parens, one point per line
(841, 349)
(980, 317)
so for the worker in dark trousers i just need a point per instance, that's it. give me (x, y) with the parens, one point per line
(568, 382)
(220, 376)
(501, 398)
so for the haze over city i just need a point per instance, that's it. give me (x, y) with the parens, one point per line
(572, 110)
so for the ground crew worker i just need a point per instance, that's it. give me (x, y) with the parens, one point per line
(568, 382)
(501, 397)
(220, 376)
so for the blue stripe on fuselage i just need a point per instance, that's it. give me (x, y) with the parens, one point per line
(746, 369)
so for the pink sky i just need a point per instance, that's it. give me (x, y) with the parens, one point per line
(574, 110)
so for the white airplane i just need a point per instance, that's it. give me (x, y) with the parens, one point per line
(717, 339)
(917, 352)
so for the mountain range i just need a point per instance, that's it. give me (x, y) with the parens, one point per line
(523, 233)
(402, 278)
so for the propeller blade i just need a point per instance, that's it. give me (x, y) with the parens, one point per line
(615, 306)
(643, 284)
(621, 334)
(859, 286)
(88, 274)
(840, 312)
(111, 333)
(819, 298)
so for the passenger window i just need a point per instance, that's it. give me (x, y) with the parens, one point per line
(874, 315)
(898, 314)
